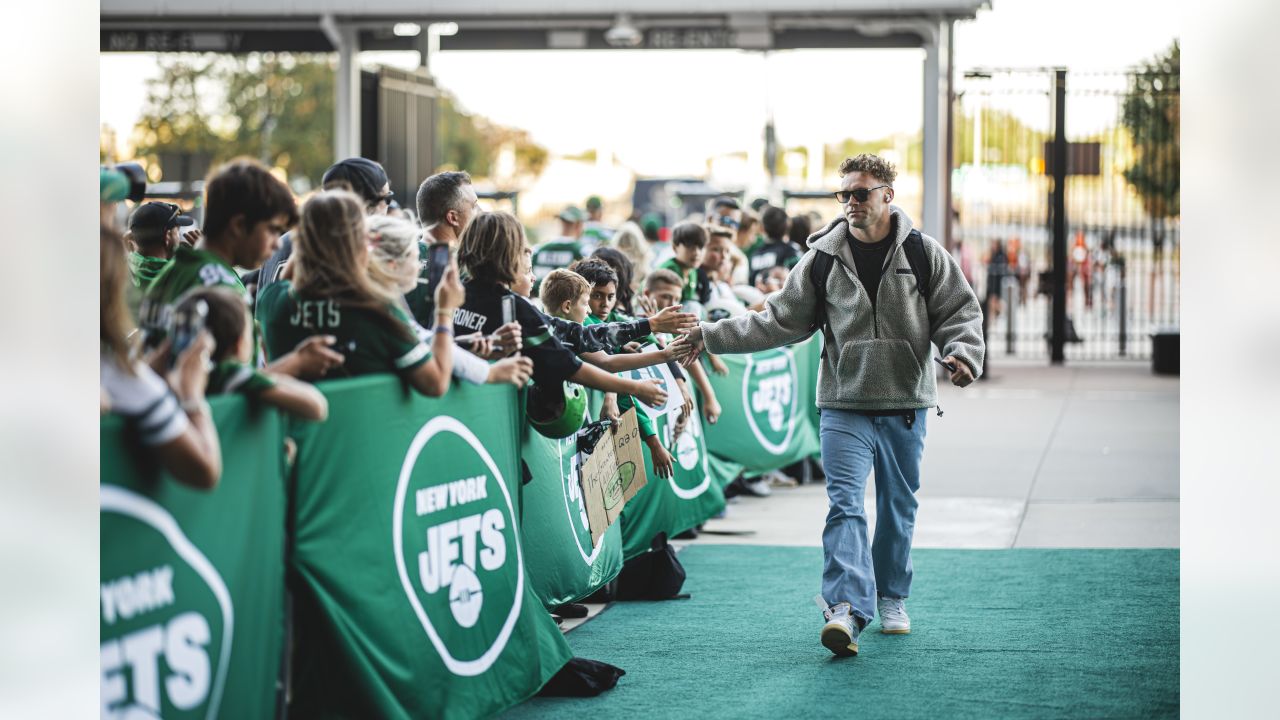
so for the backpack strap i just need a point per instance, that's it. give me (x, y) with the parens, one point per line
(913, 246)
(818, 272)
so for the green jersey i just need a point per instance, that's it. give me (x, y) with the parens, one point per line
(555, 254)
(144, 268)
(371, 343)
(689, 276)
(189, 268)
(232, 376)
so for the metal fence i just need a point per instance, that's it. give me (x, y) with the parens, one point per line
(1122, 276)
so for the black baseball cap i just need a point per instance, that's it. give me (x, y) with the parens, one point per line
(160, 215)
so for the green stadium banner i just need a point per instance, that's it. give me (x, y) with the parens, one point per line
(192, 582)
(563, 565)
(768, 414)
(412, 596)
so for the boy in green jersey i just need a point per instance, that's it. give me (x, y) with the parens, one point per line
(566, 294)
(689, 242)
(246, 210)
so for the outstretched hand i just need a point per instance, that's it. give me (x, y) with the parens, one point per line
(696, 346)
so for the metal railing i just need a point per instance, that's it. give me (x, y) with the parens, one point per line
(1119, 246)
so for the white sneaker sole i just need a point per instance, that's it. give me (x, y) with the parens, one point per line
(836, 639)
(895, 631)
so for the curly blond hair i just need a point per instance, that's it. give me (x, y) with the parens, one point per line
(873, 165)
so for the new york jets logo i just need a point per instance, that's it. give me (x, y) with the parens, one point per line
(167, 615)
(456, 550)
(574, 505)
(769, 396)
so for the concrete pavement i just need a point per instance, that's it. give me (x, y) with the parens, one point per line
(1079, 456)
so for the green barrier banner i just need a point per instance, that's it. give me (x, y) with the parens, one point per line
(767, 403)
(192, 582)
(563, 565)
(670, 505)
(413, 597)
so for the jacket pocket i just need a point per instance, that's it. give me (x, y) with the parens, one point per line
(877, 370)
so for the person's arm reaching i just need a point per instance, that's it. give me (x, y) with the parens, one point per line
(194, 457)
(787, 318)
(623, 362)
(432, 377)
(649, 392)
(710, 405)
(297, 398)
(310, 360)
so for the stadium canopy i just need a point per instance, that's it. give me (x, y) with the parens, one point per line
(348, 27)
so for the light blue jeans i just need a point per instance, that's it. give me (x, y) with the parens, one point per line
(852, 444)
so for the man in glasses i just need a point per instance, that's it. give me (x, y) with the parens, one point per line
(154, 230)
(881, 293)
(362, 176)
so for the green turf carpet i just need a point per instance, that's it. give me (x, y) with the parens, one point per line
(995, 634)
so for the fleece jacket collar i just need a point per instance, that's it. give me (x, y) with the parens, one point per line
(834, 238)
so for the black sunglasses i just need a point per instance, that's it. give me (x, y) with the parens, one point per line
(385, 198)
(861, 194)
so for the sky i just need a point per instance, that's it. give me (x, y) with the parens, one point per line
(667, 111)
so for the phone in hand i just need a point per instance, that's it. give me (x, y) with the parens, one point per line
(186, 325)
(509, 310)
(437, 263)
(949, 366)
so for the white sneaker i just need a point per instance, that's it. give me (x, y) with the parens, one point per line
(758, 487)
(840, 634)
(893, 616)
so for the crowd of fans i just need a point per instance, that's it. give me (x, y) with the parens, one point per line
(267, 298)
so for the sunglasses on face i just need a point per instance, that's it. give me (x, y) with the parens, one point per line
(859, 194)
(385, 198)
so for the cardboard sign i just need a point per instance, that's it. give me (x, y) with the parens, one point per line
(612, 474)
(601, 486)
(629, 449)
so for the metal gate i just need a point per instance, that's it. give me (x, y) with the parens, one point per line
(1122, 254)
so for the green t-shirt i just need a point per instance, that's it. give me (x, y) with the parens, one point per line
(144, 268)
(370, 343)
(626, 401)
(189, 268)
(232, 376)
(689, 276)
(555, 254)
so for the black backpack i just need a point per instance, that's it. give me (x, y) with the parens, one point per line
(655, 575)
(913, 246)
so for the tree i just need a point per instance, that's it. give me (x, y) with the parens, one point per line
(279, 108)
(1151, 115)
(471, 142)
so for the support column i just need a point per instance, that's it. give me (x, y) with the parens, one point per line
(937, 113)
(346, 108)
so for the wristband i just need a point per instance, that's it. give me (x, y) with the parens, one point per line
(446, 329)
(195, 406)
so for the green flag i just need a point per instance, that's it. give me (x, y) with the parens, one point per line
(413, 597)
(768, 403)
(563, 564)
(192, 582)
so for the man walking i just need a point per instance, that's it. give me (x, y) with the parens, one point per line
(881, 296)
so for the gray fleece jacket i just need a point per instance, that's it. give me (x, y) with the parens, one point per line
(880, 359)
